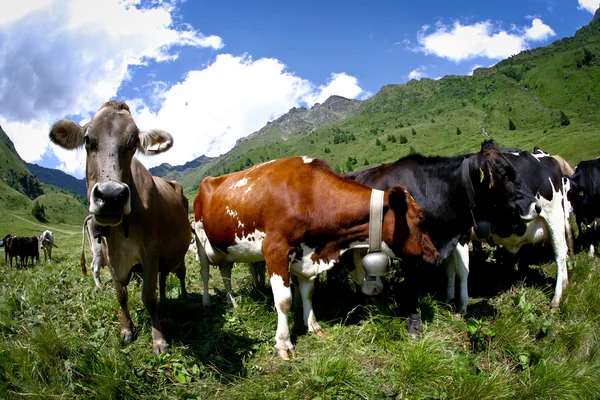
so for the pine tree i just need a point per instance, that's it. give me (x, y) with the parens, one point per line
(511, 125)
(458, 132)
(564, 120)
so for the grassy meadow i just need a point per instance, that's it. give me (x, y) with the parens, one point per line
(60, 336)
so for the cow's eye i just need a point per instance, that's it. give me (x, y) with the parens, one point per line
(581, 193)
(90, 144)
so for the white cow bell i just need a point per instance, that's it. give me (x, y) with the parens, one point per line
(376, 263)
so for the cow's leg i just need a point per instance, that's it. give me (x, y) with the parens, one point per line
(162, 285)
(257, 270)
(450, 266)
(276, 257)
(555, 223)
(159, 344)
(126, 322)
(461, 265)
(307, 287)
(181, 271)
(205, 269)
(226, 275)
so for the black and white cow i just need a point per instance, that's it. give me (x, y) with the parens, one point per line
(542, 174)
(584, 196)
(457, 193)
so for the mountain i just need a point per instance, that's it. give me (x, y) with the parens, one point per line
(58, 178)
(549, 97)
(163, 170)
(13, 170)
(301, 121)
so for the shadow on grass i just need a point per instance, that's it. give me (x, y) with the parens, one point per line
(202, 332)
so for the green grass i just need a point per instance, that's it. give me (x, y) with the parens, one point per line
(60, 338)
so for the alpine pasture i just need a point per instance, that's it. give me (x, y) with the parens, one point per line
(60, 336)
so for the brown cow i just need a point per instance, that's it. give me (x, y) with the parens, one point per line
(297, 214)
(143, 218)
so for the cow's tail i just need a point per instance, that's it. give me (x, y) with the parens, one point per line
(85, 222)
(566, 212)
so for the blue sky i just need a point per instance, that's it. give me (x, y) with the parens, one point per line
(213, 72)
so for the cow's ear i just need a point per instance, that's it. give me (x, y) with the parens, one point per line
(67, 134)
(155, 141)
(398, 198)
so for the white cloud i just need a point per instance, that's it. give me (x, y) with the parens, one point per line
(231, 98)
(417, 73)
(63, 59)
(340, 84)
(482, 39)
(589, 5)
(538, 31)
(66, 57)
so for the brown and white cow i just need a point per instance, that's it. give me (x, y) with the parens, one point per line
(299, 216)
(143, 218)
(47, 243)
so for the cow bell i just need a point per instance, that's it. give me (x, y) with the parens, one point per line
(375, 263)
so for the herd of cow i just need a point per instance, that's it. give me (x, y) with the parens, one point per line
(27, 248)
(302, 218)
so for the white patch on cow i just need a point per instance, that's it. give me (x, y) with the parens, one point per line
(282, 297)
(548, 226)
(308, 268)
(240, 183)
(247, 248)
(249, 189)
(307, 160)
(230, 212)
(515, 154)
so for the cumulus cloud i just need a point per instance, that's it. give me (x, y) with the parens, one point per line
(234, 96)
(417, 73)
(57, 59)
(589, 5)
(65, 57)
(482, 39)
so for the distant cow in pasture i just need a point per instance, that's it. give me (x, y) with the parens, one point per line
(142, 218)
(584, 196)
(7, 249)
(457, 193)
(299, 216)
(47, 243)
(25, 248)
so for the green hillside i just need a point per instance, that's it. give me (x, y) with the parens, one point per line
(13, 171)
(551, 95)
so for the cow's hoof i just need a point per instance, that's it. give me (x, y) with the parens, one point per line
(160, 347)
(414, 326)
(319, 332)
(127, 336)
(286, 353)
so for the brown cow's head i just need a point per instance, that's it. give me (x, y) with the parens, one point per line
(408, 234)
(111, 139)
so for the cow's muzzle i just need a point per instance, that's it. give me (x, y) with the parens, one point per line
(109, 201)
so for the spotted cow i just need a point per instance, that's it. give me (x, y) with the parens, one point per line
(299, 216)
